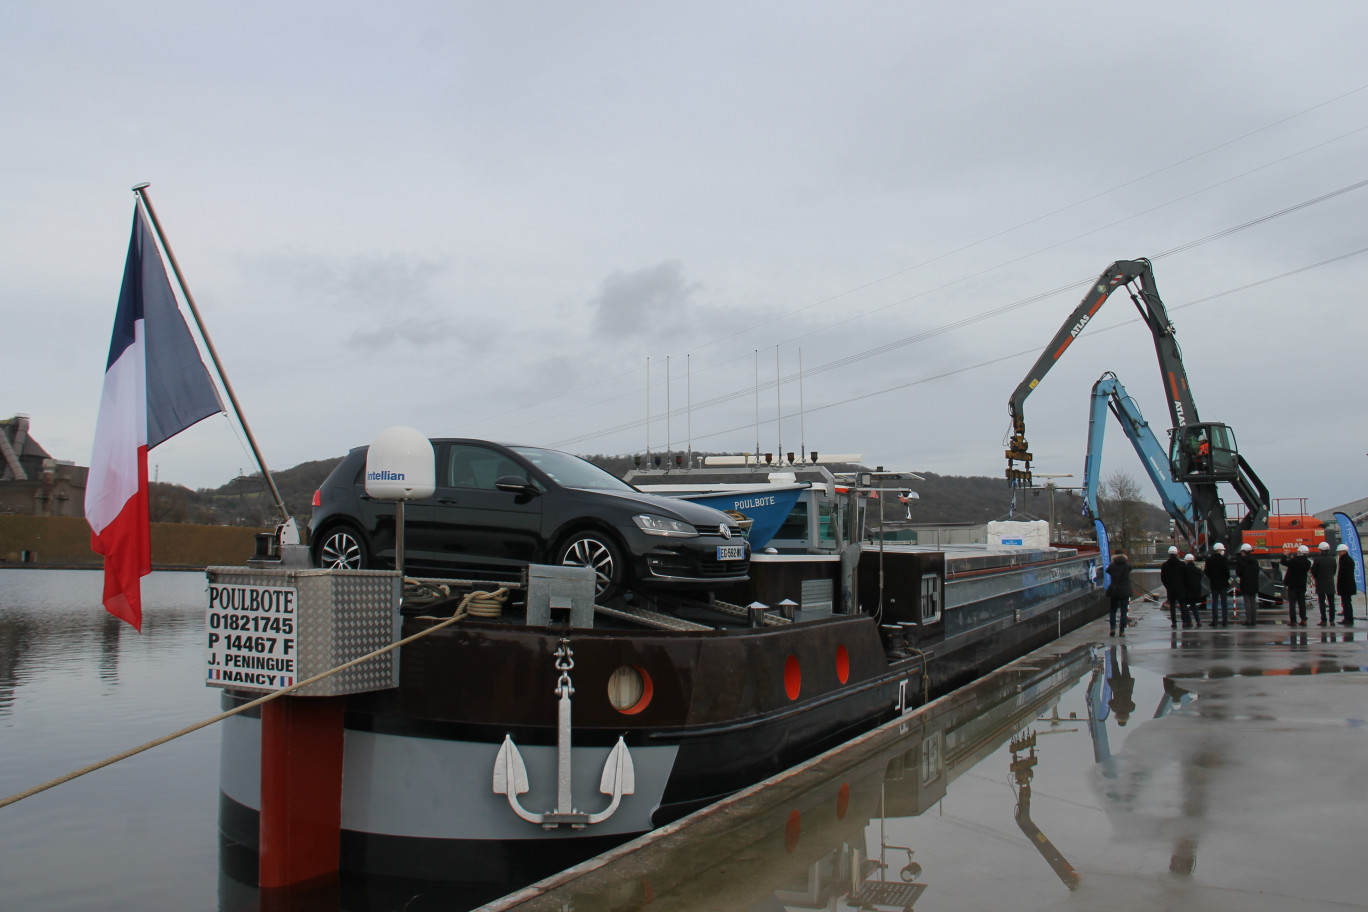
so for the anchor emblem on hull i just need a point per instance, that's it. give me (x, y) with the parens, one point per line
(510, 772)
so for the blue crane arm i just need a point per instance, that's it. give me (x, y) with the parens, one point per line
(1109, 395)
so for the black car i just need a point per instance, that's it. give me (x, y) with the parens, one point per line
(498, 508)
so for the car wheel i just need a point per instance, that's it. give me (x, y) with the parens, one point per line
(601, 554)
(342, 549)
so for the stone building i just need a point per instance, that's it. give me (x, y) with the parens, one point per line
(31, 481)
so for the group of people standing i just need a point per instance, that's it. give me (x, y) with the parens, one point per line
(1332, 576)
(1182, 579)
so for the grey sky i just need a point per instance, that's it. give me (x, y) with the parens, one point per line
(483, 219)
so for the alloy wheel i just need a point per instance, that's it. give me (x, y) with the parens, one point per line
(599, 555)
(341, 550)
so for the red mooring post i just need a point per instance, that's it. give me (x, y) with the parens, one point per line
(301, 791)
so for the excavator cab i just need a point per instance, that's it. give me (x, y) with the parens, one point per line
(1204, 452)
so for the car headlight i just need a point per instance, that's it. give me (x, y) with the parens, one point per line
(660, 525)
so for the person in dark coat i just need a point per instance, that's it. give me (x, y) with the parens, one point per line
(1120, 590)
(1323, 575)
(1294, 580)
(1175, 587)
(1345, 585)
(1217, 572)
(1192, 579)
(1247, 572)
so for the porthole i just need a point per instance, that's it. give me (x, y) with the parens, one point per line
(630, 689)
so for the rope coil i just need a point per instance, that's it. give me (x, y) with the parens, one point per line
(475, 604)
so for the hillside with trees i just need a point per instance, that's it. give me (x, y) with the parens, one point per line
(243, 501)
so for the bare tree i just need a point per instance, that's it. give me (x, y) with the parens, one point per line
(1120, 503)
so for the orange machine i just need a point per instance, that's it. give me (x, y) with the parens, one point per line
(1287, 530)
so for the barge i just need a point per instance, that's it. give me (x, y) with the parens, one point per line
(517, 745)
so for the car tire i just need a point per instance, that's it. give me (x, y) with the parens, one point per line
(600, 553)
(342, 548)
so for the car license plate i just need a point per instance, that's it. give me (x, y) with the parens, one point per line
(731, 552)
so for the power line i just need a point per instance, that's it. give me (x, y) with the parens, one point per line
(977, 318)
(788, 314)
(1035, 351)
(920, 337)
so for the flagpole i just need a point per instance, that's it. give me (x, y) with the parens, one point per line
(141, 191)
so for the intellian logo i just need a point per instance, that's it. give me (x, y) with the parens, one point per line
(384, 475)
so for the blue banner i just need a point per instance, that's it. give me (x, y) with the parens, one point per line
(1104, 547)
(1349, 535)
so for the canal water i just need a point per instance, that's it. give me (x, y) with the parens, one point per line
(77, 686)
(1202, 769)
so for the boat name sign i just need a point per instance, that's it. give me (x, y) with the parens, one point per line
(750, 503)
(251, 636)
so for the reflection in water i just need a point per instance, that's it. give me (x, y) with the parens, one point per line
(825, 837)
(1023, 770)
(1121, 683)
(916, 814)
(77, 686)
(15, 637)
(53, 619)
(111, 629)
(1163, 792)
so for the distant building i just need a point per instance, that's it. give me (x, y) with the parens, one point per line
(31, 481)
(1356, 510)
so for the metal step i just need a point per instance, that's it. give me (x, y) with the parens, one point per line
(650, 618)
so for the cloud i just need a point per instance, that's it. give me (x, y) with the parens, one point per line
(642, 303)
(714, 196)
(417, 332)
(392, 298)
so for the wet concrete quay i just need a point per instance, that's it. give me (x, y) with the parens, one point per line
(1207, 769)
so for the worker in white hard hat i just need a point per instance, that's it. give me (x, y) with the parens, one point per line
(1345, 585)
(1294, 579)
(1192, 578)
(1217, 571)
(1175, 586)
(1323, 575)
(1247, 573)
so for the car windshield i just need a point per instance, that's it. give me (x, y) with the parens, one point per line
(571, 471)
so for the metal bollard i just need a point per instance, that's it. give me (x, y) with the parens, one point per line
(893, 642)
(757, 613)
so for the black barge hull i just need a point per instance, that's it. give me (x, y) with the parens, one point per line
(722, 708)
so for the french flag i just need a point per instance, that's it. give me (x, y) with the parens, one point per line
(155, 387)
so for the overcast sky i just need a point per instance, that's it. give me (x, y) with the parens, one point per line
(484, 219)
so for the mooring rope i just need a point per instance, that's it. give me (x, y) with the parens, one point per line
(480, 600)
(1150, 595)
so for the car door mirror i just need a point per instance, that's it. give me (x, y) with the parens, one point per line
(515, 484)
